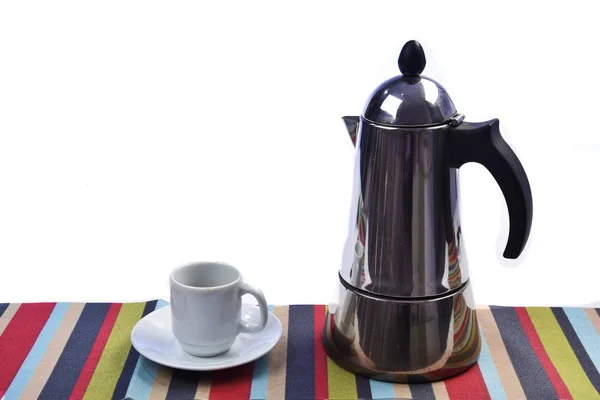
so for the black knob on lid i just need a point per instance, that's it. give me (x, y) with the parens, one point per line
(412, 59)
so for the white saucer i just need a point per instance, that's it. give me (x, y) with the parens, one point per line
(152, 337)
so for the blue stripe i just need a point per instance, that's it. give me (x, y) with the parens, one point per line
(132, 359)
(37, 351)
(260, 376)
(144, 373)
(64, 376)
(382, 390)
(490, 373)
(3, 307)
(300, 372)
(586, 332)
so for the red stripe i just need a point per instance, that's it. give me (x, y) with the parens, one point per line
(232, 383)
(468, 385)
(92, 361)
(538, 348)
(19, 337)
(321, 389)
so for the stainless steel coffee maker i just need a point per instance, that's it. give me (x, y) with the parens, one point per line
(405, 312)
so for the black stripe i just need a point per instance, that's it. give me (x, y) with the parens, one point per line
(532, 375)
(183, 385)
(422, 391)
(584, 359)
(363, 387)
(64, 376)
(300, 372)
(130, 363)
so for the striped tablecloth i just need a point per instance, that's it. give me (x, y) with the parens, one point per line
(74, 350)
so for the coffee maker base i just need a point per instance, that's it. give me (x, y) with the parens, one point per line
(403, 340)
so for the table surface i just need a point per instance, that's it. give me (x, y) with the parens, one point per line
(83, 350)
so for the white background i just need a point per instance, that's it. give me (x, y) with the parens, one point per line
(139, 135)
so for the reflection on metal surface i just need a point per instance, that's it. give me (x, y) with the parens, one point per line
(454, 274)
(404, 213)
(403, 340)
(390, 105)
(409, 100)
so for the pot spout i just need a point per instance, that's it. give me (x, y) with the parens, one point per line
(352, 123)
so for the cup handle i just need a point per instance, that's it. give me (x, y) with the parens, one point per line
(245, 326)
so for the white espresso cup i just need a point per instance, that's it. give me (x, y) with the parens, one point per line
(206, 303)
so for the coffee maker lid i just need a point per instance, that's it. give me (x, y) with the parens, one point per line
(410, 99)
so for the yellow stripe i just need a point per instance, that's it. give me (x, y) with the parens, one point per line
(115, 353)
(506, 371)
(55, 348)
(278, 358)
(9, 313)
(160, 387)
(402, 391)
(342, 384)
(561, 354)
(594, 318)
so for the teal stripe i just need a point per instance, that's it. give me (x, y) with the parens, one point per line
(37, 351)
(260, 376)
(144, 373)
(490, 373)
(586, 332)
(381, 390)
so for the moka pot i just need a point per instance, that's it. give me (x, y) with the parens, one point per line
(404, 310)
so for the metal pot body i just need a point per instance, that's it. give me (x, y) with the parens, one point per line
(403, 340)
(404, 233)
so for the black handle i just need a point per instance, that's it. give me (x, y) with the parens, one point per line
(482, 143)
